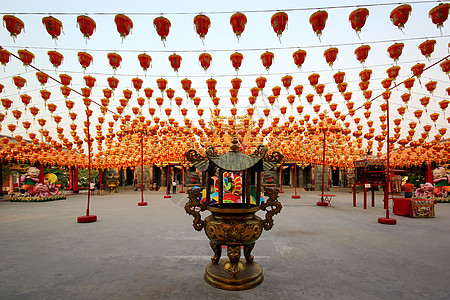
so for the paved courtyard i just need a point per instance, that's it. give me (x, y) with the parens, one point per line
(153, 252)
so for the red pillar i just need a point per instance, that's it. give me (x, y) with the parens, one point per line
(100, 176)
(70, 179)
(75, 180)
(429, 174)
(41, 173)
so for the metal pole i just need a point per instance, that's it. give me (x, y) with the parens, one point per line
(167, 192)
(295, 196)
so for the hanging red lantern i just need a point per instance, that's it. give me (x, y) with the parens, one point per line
(13, 24)
(254, 91)
(331, 55)
(427, 47)
(310, 98)
(51, 107)
(299, 57)
(439, 14)
(409, 83)
(276, 90)
(234, 93)
(261, 82)
(279, 21)
(238, 22)
(368, 94)
(26, 57)
(445, 66)
(342, 87)
(236, 83)
(86, 92)
(319, 89)
(90, 81)
(386, 83)
(298, 90)
(399, 15)
(267, 59)
(271, 99)
(87, 25)
(65, 91)
(56, 58)
(127, 94)
(329, 97)
(162, 84)
(85, 59)
(196, 101)
(393, 72)
(175, 61)
(431, 86)
(418, 69)
(236, 60)
(162, 26)
(170, 93)
(137, 83)
(45, 95)
(395, 51)
(362, 52)
(202, 24)
(4, 56)
(113, 82)
(365, 74)
(211, 83)
(145, 61)
(364, 85)
(215, 101)
(252, 100)
(65, 79)
(114, 60)
(339, 77)
(25, 99)
(358, 18)
(124, 25)
(191, 93)
(1, 87)
(205, 60)
(53, 26)
(348, 97)
(318, 20)
(314, 79)
(19, 82)
(186, 84)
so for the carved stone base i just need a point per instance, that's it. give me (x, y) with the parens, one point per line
(248, 277)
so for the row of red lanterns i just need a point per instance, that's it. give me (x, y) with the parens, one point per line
(399, 16)
(394, 51)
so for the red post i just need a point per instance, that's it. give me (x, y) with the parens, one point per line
(295, 196)
(142, 203)
(281, 178)
(365, 196)
(88, 218)
(429, 174)
(321, 202)
(168, 187)
(387, 220)
(354, 194)
(373, 196)
(41, 173)
(100, 176)
(182, 178)
(70, 179)
(75, 180)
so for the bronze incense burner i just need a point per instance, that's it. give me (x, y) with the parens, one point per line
(234, 225)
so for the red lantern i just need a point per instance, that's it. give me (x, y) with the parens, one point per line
(238, 22)
(137, 83)
(267, 59)
(205, 60)
(431, 86)
(162, 84)
(114, 60)
(186, 84)
(362, 52)
(86, 92)
(144, 61)
(196, 101)
(26, 57)
(364, 85)
(236, 60)
(342, 87)
(417, 69)
(90, 81)
(252, 100)
(13, 24)
(298, 90)
(393, 72)
(358, 18)
(85, 59)
(52, 108)
(261, 82)
(45, 95)
(348, 97)
(314, 79)
(65, 91)
(279, 21)
(395, 51)
(310, 98)
(87, 26)
(127, 94)
(319, 89)
(368, 94)
(1, 87)
(211, 83)
(427, 47)
(291, 99)
(399, 15)
(234, 93)
(175, 61)
(113, 82)
(162, 26)
(331, 55)
(124, 25)
(299, 57)
(409, 83)
(69, 104)
(56, 58)
(439, 14)
(271, 99)
(318, 20)
(276, 90)
(170, 93)
(25, 99)
(65, 79)
(339, 77)
(19, 82)
(365, 75)
(386, 83)
(445, 66)
(236, 83)
(216, 101)
(254, 91)
(4, 56)
(202, 24)
(53, 26)
(191, 93)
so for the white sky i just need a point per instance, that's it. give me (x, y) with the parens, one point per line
(220, 42)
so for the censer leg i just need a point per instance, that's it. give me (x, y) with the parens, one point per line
(234, 254)
(217, 249)
(247, 252)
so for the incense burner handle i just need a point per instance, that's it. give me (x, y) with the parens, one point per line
(272, 207)
(193, 207)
